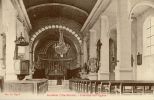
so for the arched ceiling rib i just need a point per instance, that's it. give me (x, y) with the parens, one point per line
(77, 10)
(86, 5)
(56, 11)
(57, 4)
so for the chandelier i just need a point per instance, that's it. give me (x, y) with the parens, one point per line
(61, 47)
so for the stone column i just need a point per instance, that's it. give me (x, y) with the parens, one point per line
(85, 55)
(9, 24)
(31, 57)
(123, 70)
(134, 47)
(93, 42)
(104, 56)
(92, 55)
(30, 64)
(2, 45)
(2, 54)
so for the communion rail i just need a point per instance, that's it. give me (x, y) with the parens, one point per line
(112, 86)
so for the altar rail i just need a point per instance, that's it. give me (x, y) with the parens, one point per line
(112, 86)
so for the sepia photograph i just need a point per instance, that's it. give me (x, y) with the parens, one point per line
(77, 49)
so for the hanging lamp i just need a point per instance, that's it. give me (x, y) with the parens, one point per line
(61, 47)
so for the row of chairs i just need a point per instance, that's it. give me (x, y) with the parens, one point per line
(114, 87)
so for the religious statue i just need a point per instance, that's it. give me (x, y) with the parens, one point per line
(86, 68)
(99, 44)
(92, 63)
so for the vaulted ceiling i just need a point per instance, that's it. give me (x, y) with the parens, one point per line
(77, 10)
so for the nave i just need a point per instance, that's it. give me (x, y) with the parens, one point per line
(77, 46)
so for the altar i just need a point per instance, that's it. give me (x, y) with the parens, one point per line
(54, 57)
(55, 70)
(53, 67)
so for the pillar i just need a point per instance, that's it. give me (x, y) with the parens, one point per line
(31, 57)
(2, 54)
(2, 45)
(134, 46)
(103, 73)
(93, 42)
(85, 55)
(9, 24)
(123, 70)
(92, 55)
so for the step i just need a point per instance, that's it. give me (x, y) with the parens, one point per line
(54, 83)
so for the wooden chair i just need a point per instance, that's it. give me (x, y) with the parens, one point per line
(89, 87)
(99, 87)
(94, 87)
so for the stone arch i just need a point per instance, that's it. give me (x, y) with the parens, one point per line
(34, 41)
(47, 27)
(143, 3)
(58, 4)
(34, 36)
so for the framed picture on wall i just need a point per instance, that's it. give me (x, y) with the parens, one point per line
(139, 59)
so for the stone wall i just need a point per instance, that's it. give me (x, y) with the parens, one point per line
(146, 70)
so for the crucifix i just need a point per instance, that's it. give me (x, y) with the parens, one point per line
(99, 44)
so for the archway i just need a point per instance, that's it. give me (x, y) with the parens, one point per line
(47, 63)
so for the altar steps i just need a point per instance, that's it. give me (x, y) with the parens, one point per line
(63, 87)
(58, 88)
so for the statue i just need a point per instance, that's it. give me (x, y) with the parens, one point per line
(86, 69)
(99, 44)
(92, 63)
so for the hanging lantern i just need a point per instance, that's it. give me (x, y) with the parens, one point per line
(20, 41)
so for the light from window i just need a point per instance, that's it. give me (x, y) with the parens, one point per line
(148, 36)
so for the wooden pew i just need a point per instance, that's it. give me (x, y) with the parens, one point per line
(113, 86)
(103, 86)
(34, 86)
(137, 86)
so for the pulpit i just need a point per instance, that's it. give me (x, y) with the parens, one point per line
(21, 68)
(21, 65)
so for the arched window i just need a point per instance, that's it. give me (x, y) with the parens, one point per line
(148, 36)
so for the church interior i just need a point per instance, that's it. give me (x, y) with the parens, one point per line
(90, 46)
